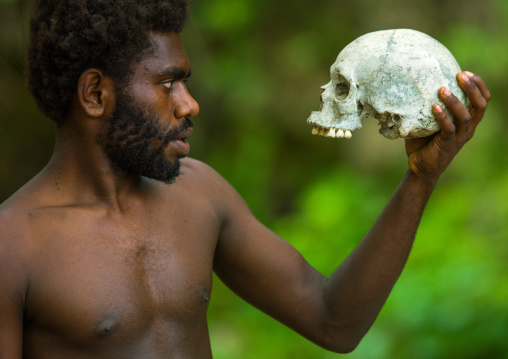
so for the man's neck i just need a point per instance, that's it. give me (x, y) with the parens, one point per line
(84, 173)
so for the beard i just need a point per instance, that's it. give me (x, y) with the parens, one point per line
(134, 142)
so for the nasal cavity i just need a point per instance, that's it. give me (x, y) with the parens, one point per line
(359, 107)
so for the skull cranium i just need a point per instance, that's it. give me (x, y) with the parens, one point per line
(392, 76)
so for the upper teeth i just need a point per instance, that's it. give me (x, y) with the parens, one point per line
(332, 132)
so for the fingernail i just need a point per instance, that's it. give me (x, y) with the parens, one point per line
(465, 78)
(447, 92)
(469, 74)
(438, 108)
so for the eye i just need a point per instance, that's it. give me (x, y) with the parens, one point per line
(167, 84)
(341, 88)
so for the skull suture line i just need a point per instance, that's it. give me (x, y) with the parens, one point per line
(392, 76)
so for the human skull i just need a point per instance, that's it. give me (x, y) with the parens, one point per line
(392, 76)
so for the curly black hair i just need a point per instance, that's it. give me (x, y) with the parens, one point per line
(69, 36)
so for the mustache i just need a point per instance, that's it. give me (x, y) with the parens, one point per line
(179, 131)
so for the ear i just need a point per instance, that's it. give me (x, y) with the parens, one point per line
(95, 92)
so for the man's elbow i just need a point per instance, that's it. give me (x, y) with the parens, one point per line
(341, 346)
(340, 341)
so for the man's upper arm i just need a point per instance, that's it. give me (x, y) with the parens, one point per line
(265, 270)
(11, 297)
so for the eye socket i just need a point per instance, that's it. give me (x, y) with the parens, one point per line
(341, 88)
(169, 83)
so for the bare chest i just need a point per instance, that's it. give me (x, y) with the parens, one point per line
(146, 279)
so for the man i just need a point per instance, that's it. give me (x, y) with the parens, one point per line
(101, 258)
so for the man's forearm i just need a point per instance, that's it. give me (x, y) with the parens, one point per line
(355, 293)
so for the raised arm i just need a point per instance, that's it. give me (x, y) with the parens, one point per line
(370, 272)
(336, 312)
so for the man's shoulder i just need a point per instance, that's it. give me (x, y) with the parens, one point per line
(204, 180)
(16, 217)
(14, 221)
(13, 207)
(14, 237)
(197, 175)
(15, 253)
(196, 169)
(200, 181)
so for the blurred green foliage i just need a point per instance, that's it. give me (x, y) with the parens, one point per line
(257, 69)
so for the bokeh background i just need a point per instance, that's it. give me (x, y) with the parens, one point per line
(257, 67)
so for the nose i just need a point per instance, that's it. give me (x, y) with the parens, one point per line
(186, 105)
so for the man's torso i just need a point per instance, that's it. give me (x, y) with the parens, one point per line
(129, 285)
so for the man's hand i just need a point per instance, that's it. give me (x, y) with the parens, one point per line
(429, 156)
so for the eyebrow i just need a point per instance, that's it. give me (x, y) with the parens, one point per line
(177, 73)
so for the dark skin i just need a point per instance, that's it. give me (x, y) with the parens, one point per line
(96, 263)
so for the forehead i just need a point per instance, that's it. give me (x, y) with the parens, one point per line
(167, 51)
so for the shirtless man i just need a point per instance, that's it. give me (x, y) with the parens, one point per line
(101, 258)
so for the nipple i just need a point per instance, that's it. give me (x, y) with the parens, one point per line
(106, 326)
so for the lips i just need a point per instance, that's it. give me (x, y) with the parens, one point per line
(181, 141)
(186, 134)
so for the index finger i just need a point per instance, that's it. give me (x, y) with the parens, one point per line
(478, 81)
